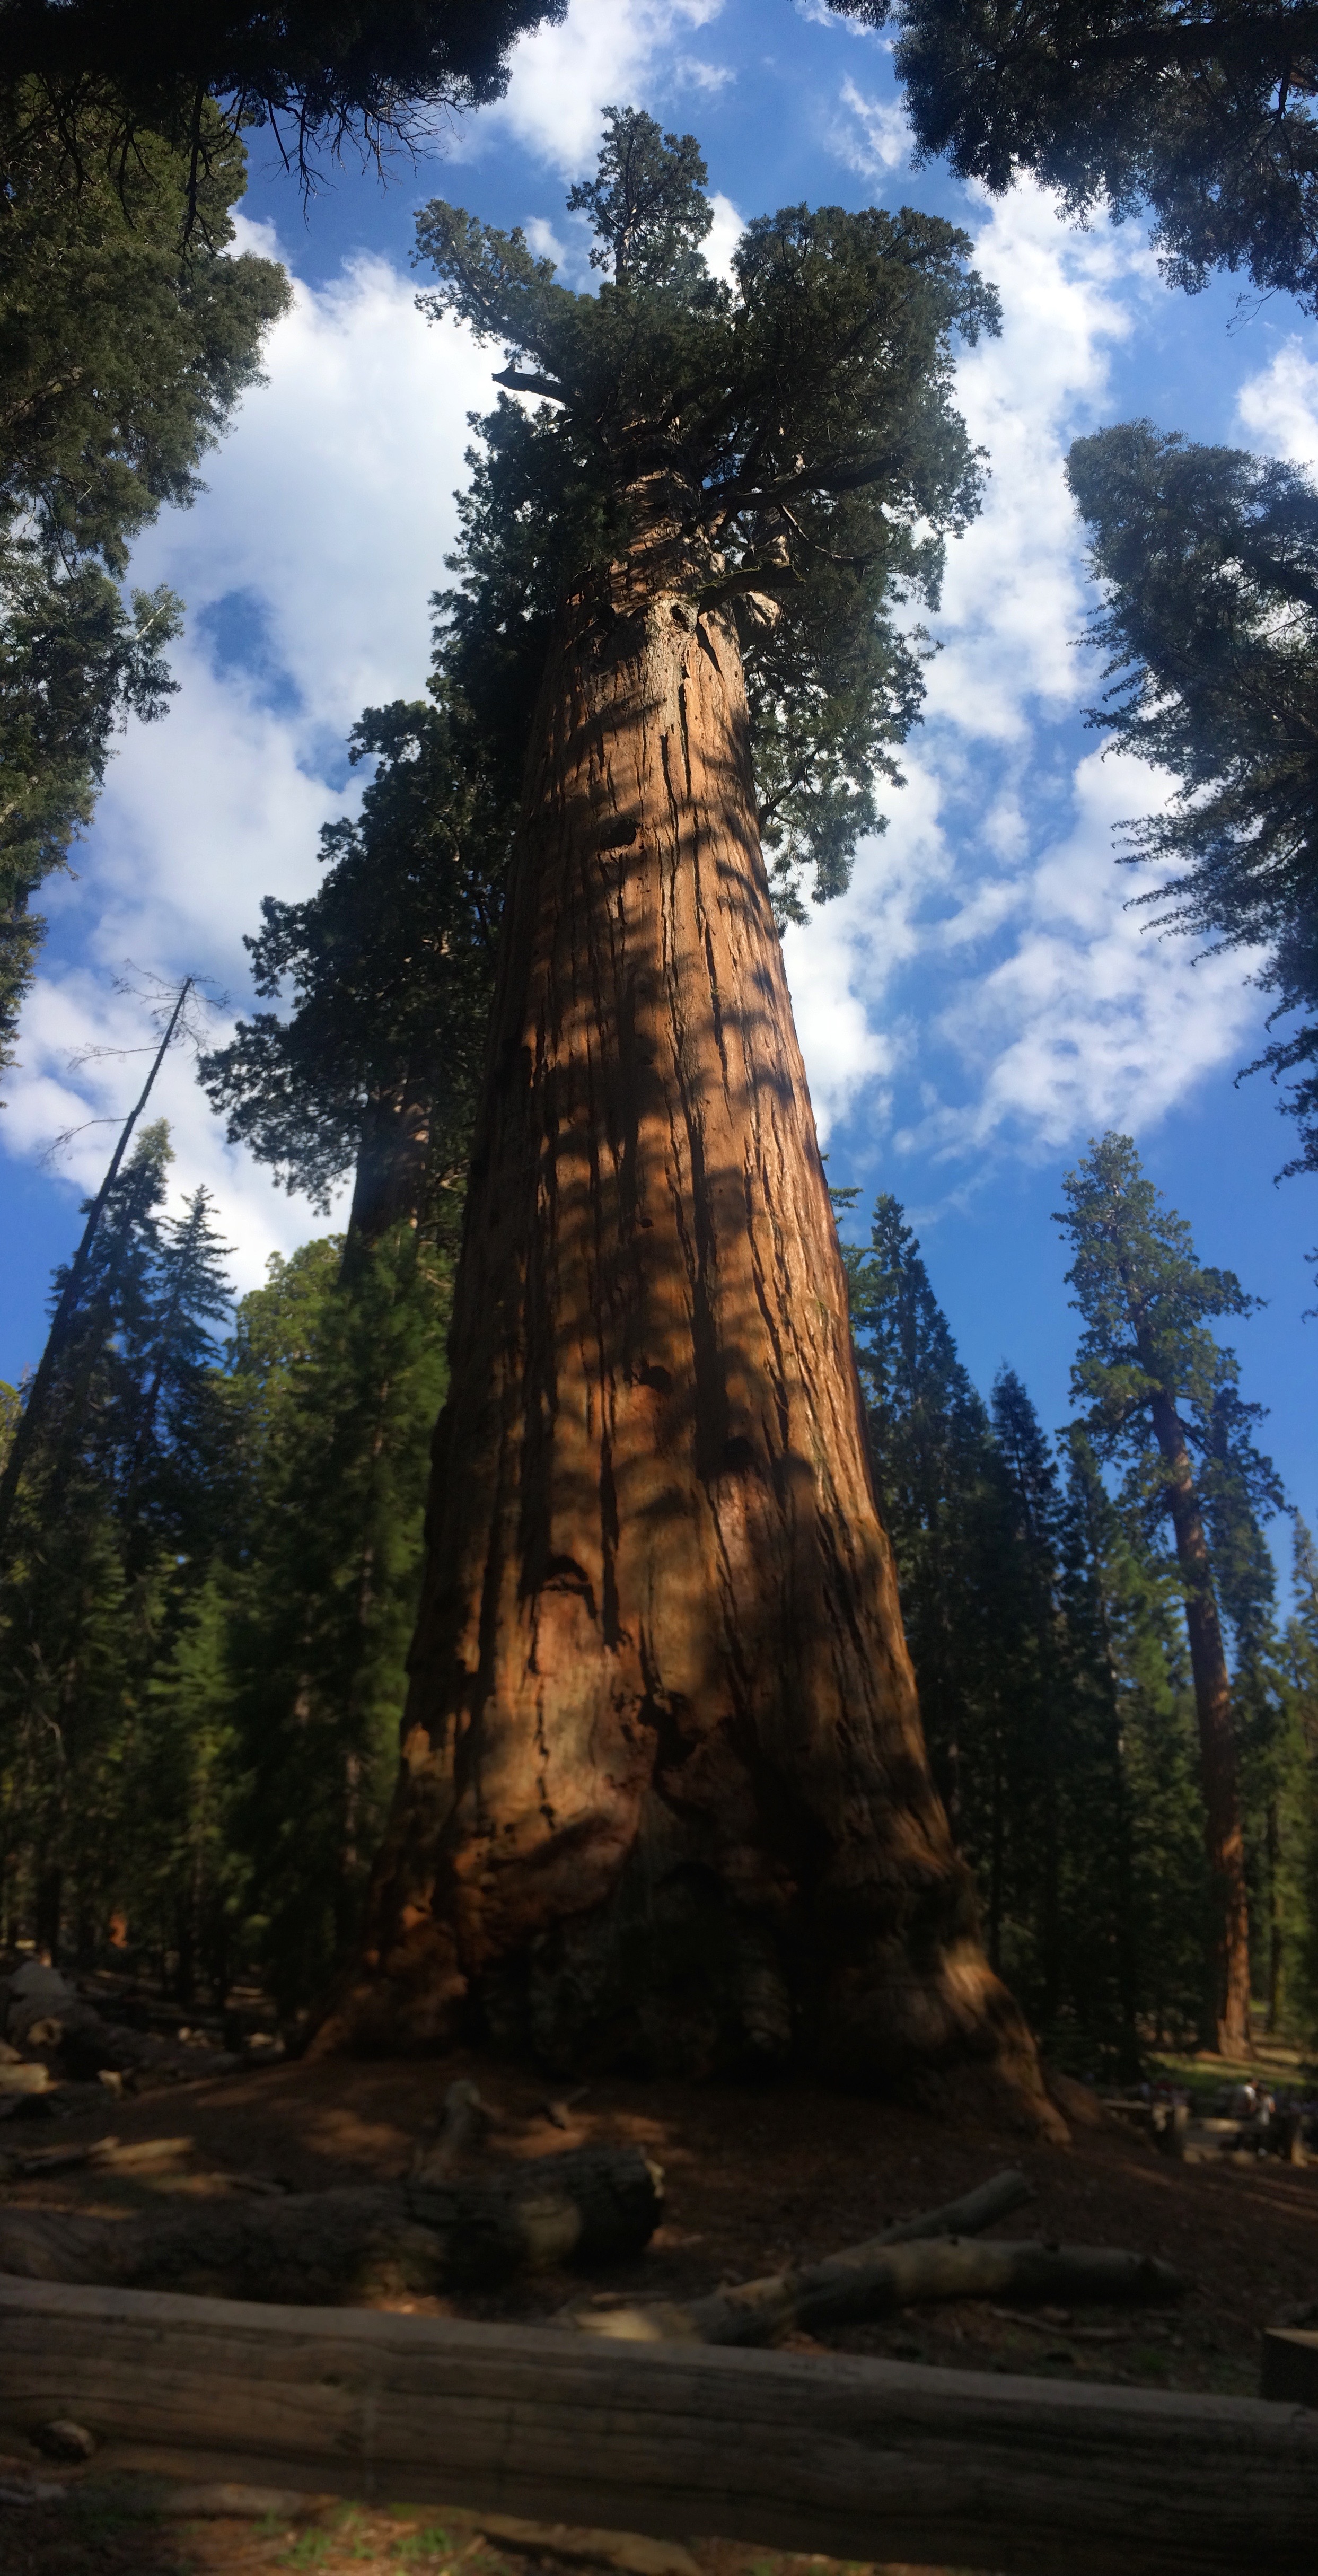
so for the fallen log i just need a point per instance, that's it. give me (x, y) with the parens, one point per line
(859, 2459)
(873, 2280)
(591, 2205)
(976, 2209)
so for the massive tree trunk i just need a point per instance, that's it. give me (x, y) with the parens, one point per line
(664, 1798)
(1217, 1742)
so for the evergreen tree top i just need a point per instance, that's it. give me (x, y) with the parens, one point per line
(1145, 1301)
(790, 435)
(390, 962)
(1200, 109)
(1208, 559)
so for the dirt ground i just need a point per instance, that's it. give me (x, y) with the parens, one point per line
(752, 2181)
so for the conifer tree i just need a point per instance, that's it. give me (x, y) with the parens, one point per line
(1299, 1853)
(377, 1070)
(337, 1377)
(930, 1443)
(77, 1635)
(320, 74)
(661, 1711)
(1203, 115)
(1029, 1607)
(1150, 1373)
(123, 355)
(1208, 561)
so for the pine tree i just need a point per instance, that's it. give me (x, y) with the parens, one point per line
(1151, 1376)
(930, 1443)
(661, 1712)
(337, 1376)
(1033, 1668)
(124, 355)
(1203, 116)
(78, 1636)
(1208, 560)
(392, 968)
(1291, 1788)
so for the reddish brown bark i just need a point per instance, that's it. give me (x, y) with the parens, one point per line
(664, 1796)
(1217, 1742)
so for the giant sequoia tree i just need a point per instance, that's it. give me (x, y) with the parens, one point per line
(1199, 109)
(664, 1797)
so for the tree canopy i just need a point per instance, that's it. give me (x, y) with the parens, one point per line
(315, 72)
(1198, 109)
(1208, 561)
(123, 357)
(795, 424)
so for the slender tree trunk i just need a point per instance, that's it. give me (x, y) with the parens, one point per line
(1217, 1743)
(664, 1798)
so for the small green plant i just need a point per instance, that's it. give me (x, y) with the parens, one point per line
(310, 2549)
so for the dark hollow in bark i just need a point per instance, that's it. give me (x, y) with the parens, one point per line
(596, 2204)
(664, 1800)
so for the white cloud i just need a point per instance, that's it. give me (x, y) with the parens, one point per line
(872, 135)
(689, 72)
(603, 53)
(1015, 598)
(1093, 1019)
(1279, 407)
(325, 525)
(724, 235)
(982, 989)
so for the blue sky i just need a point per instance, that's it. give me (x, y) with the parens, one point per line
(982, 1001)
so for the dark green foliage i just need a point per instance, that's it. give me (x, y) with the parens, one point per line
(337, 1379)
(1201, 115)
(1208, 558)
(794, 430)
(930, 1441)
(316, 72)
(1045, 1617)
(1145, 1302)
(211, 1592)
(1296, 1861)
(122, 358)
(94, 1578)
(391, 965)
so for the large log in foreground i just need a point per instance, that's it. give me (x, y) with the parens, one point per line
(594, 2204)
(857, 2458)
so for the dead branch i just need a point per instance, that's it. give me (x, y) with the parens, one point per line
(873, 2280)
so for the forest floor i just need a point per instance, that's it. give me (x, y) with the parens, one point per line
(753, 2181)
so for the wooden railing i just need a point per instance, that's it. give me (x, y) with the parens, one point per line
(857, 2458)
